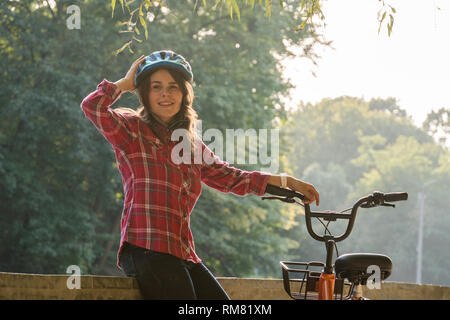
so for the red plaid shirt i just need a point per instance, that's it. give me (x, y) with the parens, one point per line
(159, 195)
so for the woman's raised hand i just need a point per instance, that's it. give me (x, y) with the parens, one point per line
(127, 82)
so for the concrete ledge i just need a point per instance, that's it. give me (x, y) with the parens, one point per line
(54, 287)
(407, 291)
(19, 286)
(254, 289)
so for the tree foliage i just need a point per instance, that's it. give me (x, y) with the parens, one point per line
(138, 15)
(349, 148)
(437, 124)
(61, 193)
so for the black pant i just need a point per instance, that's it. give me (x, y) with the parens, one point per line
(163, 276)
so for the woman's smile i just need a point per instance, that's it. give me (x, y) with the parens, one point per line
(166, 104)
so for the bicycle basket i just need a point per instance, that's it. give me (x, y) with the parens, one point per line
(301, 281)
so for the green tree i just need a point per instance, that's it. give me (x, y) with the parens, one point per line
(61, 194)
(437, 124)
(348, 148)
(44, 213)
(333, 130)
(407, 165)
(389, 105)
(138, 16)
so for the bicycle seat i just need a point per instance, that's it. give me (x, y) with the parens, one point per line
(353, 266)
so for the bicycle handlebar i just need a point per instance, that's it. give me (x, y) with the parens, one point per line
(288, 193)
(395, 196)
(370, 201)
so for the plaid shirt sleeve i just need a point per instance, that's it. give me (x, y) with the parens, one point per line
(221, 176)
(114, 126)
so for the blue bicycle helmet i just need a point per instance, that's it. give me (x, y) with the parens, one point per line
(164, 58)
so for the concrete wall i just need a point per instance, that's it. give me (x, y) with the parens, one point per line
(42, 287)
(407, 291)
(54, 287)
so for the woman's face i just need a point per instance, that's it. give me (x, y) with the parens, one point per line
(165, 95)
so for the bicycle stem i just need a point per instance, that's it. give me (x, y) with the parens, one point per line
(329, 262)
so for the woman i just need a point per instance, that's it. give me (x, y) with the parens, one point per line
(156, 243)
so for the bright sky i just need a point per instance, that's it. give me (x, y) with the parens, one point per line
(412, 65)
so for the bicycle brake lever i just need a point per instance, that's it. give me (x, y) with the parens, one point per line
(373, 205)
(368, 205)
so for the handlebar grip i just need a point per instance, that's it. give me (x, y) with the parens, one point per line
(395, 196)
(283, 192)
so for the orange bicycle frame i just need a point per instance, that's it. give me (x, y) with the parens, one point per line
(326, 286)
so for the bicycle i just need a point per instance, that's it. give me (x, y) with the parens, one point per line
(327, 281)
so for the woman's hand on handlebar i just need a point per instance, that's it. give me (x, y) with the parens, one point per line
(305, 188)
